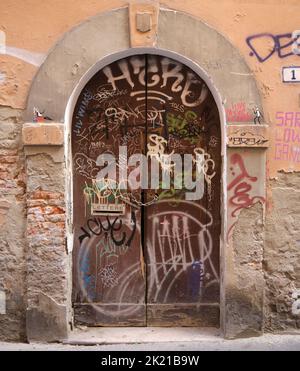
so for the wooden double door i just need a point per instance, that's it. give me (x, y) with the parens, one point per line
(146, 251)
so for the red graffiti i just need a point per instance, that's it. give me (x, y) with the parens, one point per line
(238, 113)
(241, 186)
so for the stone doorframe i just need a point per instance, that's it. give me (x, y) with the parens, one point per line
(140, 28)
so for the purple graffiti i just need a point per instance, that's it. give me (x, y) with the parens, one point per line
(280, 45)
(195, 279)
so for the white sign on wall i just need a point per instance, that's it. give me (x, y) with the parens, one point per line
(291, 74)
(2, 302)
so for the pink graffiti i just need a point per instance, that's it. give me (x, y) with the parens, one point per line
(240, 188)
(238, 113)
(287, 136)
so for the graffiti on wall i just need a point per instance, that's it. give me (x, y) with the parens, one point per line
(287, 136)
(265, 45)
(240, 190)
(241, 138)
(238, 112)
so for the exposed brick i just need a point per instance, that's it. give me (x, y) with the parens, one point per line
(12, 243)
(46, 243)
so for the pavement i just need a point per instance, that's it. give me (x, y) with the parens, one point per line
(160, 339)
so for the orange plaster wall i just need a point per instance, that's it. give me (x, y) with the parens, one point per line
(36, 25)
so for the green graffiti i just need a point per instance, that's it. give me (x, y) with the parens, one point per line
(183, 126)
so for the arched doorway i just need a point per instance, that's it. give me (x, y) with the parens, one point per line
(73, 61)
(147, 226)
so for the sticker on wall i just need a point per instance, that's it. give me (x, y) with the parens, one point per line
(107, 209)
(2, 302)
(2, 42)
(291, 74)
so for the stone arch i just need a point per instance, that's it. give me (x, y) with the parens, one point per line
(97, 42)
(108, 33)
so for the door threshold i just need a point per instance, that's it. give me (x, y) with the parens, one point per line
(132, 335)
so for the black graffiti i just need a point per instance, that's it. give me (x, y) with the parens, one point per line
(96, 226)
(281, 44)
(236, 141)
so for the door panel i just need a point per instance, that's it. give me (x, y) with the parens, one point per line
(108, 275)
(182, 235)
(146, 256)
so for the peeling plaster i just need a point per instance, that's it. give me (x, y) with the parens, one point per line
(36, 59)
(56, 154)
(245, 291)
(48, 316)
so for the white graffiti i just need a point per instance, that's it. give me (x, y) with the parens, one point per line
(178, 107)
(137, 115)
(171, 248)
(105, 92)
(109, 276)
(95, 132)
(156, 149)
(123, 66)
(160, 96)
(121, 114)
(85, 166)
(186, 82)
(155, 116)
(205, 165)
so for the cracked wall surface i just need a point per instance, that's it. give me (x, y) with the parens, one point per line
(245, 290)
(282, 254)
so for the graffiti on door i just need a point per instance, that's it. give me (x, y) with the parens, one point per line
(146, 193)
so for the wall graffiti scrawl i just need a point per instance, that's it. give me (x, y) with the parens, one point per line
(264, 45)
(287, 137)
(243, 188)
(142, 250)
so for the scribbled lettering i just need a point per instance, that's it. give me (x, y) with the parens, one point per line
(96, 226)
(287, 137)
(264, 45)
(193, 92)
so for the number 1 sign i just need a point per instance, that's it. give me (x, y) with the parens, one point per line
(291, 74)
